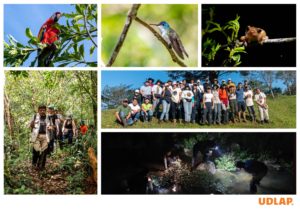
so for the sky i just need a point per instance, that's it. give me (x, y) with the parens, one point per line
(18, 17)
(137, 78)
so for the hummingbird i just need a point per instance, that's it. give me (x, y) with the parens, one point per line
(172, 38)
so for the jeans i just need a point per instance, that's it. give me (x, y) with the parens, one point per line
(217, 112)
(187, 106)
(176, 108)
(147, 116)
(156, 104)
(166, 109)
(207, 110)
(124, 120)
(135, 117)
(68, 135)
(251, 112)
(196, 111)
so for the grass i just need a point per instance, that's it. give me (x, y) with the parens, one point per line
(282, 112)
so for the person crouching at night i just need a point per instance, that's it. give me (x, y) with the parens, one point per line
(257, 169)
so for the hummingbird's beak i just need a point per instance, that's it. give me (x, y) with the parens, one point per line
(154, 24)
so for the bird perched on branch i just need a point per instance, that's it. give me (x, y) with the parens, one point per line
(172, 38)
(48, 34)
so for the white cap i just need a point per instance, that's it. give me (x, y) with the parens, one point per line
(174, 83)
(137, 91)
(198, 81)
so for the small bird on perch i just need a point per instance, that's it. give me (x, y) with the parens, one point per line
(172, 38)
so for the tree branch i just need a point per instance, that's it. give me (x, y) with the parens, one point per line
(162, 40)
(87, 30)
(280, 40)
(131, 15)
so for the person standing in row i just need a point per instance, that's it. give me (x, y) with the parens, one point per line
(175, 102)
(208, 106)
(166, 101)
(156, 95)
(261, 100)
(217, 104)
(248, 94)
(187, 97)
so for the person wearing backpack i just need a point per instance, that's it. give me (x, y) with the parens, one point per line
(39, 138)
(69, 129)
(53, 128)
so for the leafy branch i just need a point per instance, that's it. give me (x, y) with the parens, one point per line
(80, 26)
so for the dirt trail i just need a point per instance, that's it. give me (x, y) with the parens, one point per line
(51, 180)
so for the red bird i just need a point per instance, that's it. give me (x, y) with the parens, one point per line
(48, 34)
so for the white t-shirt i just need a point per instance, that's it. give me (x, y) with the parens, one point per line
(146, 90)
(260, 98)
(156, 89)
(176, 94)
(248, 98)
(207, 97)
(231, 96)
(216, 96)
(134, 108)
(187, 95)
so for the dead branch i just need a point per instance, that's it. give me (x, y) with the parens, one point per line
(131, 15)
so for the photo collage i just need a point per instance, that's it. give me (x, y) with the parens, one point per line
(125, 102)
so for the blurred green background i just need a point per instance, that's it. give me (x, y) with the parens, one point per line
(141, 47)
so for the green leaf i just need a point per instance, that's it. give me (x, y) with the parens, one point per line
(92, 50)
(29, 33)
(78, 9)
(78, 17)
(81, 50)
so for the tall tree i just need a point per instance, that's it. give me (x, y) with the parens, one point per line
(289, 79)
(197, 74)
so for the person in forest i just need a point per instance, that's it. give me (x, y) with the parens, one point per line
(257, 169)
(53, 128)
(123, 114)
(39, 138)
(69, 129)
(60, 121)
(83, 128)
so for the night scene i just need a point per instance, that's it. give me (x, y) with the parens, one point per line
(249, 35)
(199, 163)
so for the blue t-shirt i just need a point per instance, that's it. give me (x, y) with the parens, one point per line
(240, 95)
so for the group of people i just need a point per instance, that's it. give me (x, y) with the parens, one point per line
(48, 126)
(193, 102)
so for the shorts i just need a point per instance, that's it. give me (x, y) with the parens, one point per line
(241, 106)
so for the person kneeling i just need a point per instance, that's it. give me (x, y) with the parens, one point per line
(147, 112)
(123, 114)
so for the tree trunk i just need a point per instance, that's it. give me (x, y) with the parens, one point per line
(94, 94)
(271, 91)
(8, 117)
